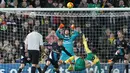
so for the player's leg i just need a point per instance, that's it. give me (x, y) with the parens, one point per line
(22, 65)
(46, 66)
(126, 62)
(39, 69)
(112, 61)
(35, 60)
(48, 62)
(56, 67)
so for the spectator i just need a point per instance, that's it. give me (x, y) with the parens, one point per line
(60, 5)
(49, 4)
(83, 4)
(30, 6)
(37, 23)
(37, 4)
(51, 38)
(25, 28)
(94, 4)
(1, 44)
(55, 4)
(80, 49)
(106, 45)
(1, 58)
(121, 4)
(2, 4)
(111, 39)
(11, 3)
(56, 20)
(104, 4)
(108, 32)
(128, 3)
(7, 46)
(24, 4)
(49, 30)
(110, 5)
(16, 45)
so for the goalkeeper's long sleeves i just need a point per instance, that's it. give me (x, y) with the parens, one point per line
(67, 43)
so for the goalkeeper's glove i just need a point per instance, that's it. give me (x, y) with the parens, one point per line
(72, 26)
(61, 26)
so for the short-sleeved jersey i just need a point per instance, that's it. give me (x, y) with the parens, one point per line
(121, 45)
(58, 49)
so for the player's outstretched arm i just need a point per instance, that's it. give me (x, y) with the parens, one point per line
(58, 31)
(86, 44)
(76, 33)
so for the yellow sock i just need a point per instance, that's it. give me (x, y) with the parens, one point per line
(71, 67)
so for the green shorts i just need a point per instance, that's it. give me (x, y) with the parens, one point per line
(79, 64)
(90, 57)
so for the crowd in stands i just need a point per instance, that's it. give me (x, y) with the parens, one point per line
(63, 3)
(101, 33)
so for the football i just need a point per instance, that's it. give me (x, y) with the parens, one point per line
(70, 5)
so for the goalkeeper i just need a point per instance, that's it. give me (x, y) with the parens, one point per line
(80, 63)
(68, 40)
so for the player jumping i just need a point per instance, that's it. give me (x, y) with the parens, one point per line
(67, 41)
(80, 63)
(25, 59)
(55, 55)
(122, 49)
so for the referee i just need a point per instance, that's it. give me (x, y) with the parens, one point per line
(32, 43)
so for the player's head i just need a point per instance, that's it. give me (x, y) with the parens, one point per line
(67, 32)
(120, 34)
(60, 41)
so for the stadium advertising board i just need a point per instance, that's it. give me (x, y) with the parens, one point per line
(12, 68)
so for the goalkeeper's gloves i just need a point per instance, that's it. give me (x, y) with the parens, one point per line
(61, 26)
(72, 26)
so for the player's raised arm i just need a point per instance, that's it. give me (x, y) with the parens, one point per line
(86, 44)
(58, 31)
(76, 32)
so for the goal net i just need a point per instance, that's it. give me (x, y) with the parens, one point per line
(99, 25)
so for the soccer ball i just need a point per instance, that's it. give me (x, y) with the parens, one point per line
(32, 15)
(70, 5)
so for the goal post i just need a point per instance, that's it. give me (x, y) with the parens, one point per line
(100, 26)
